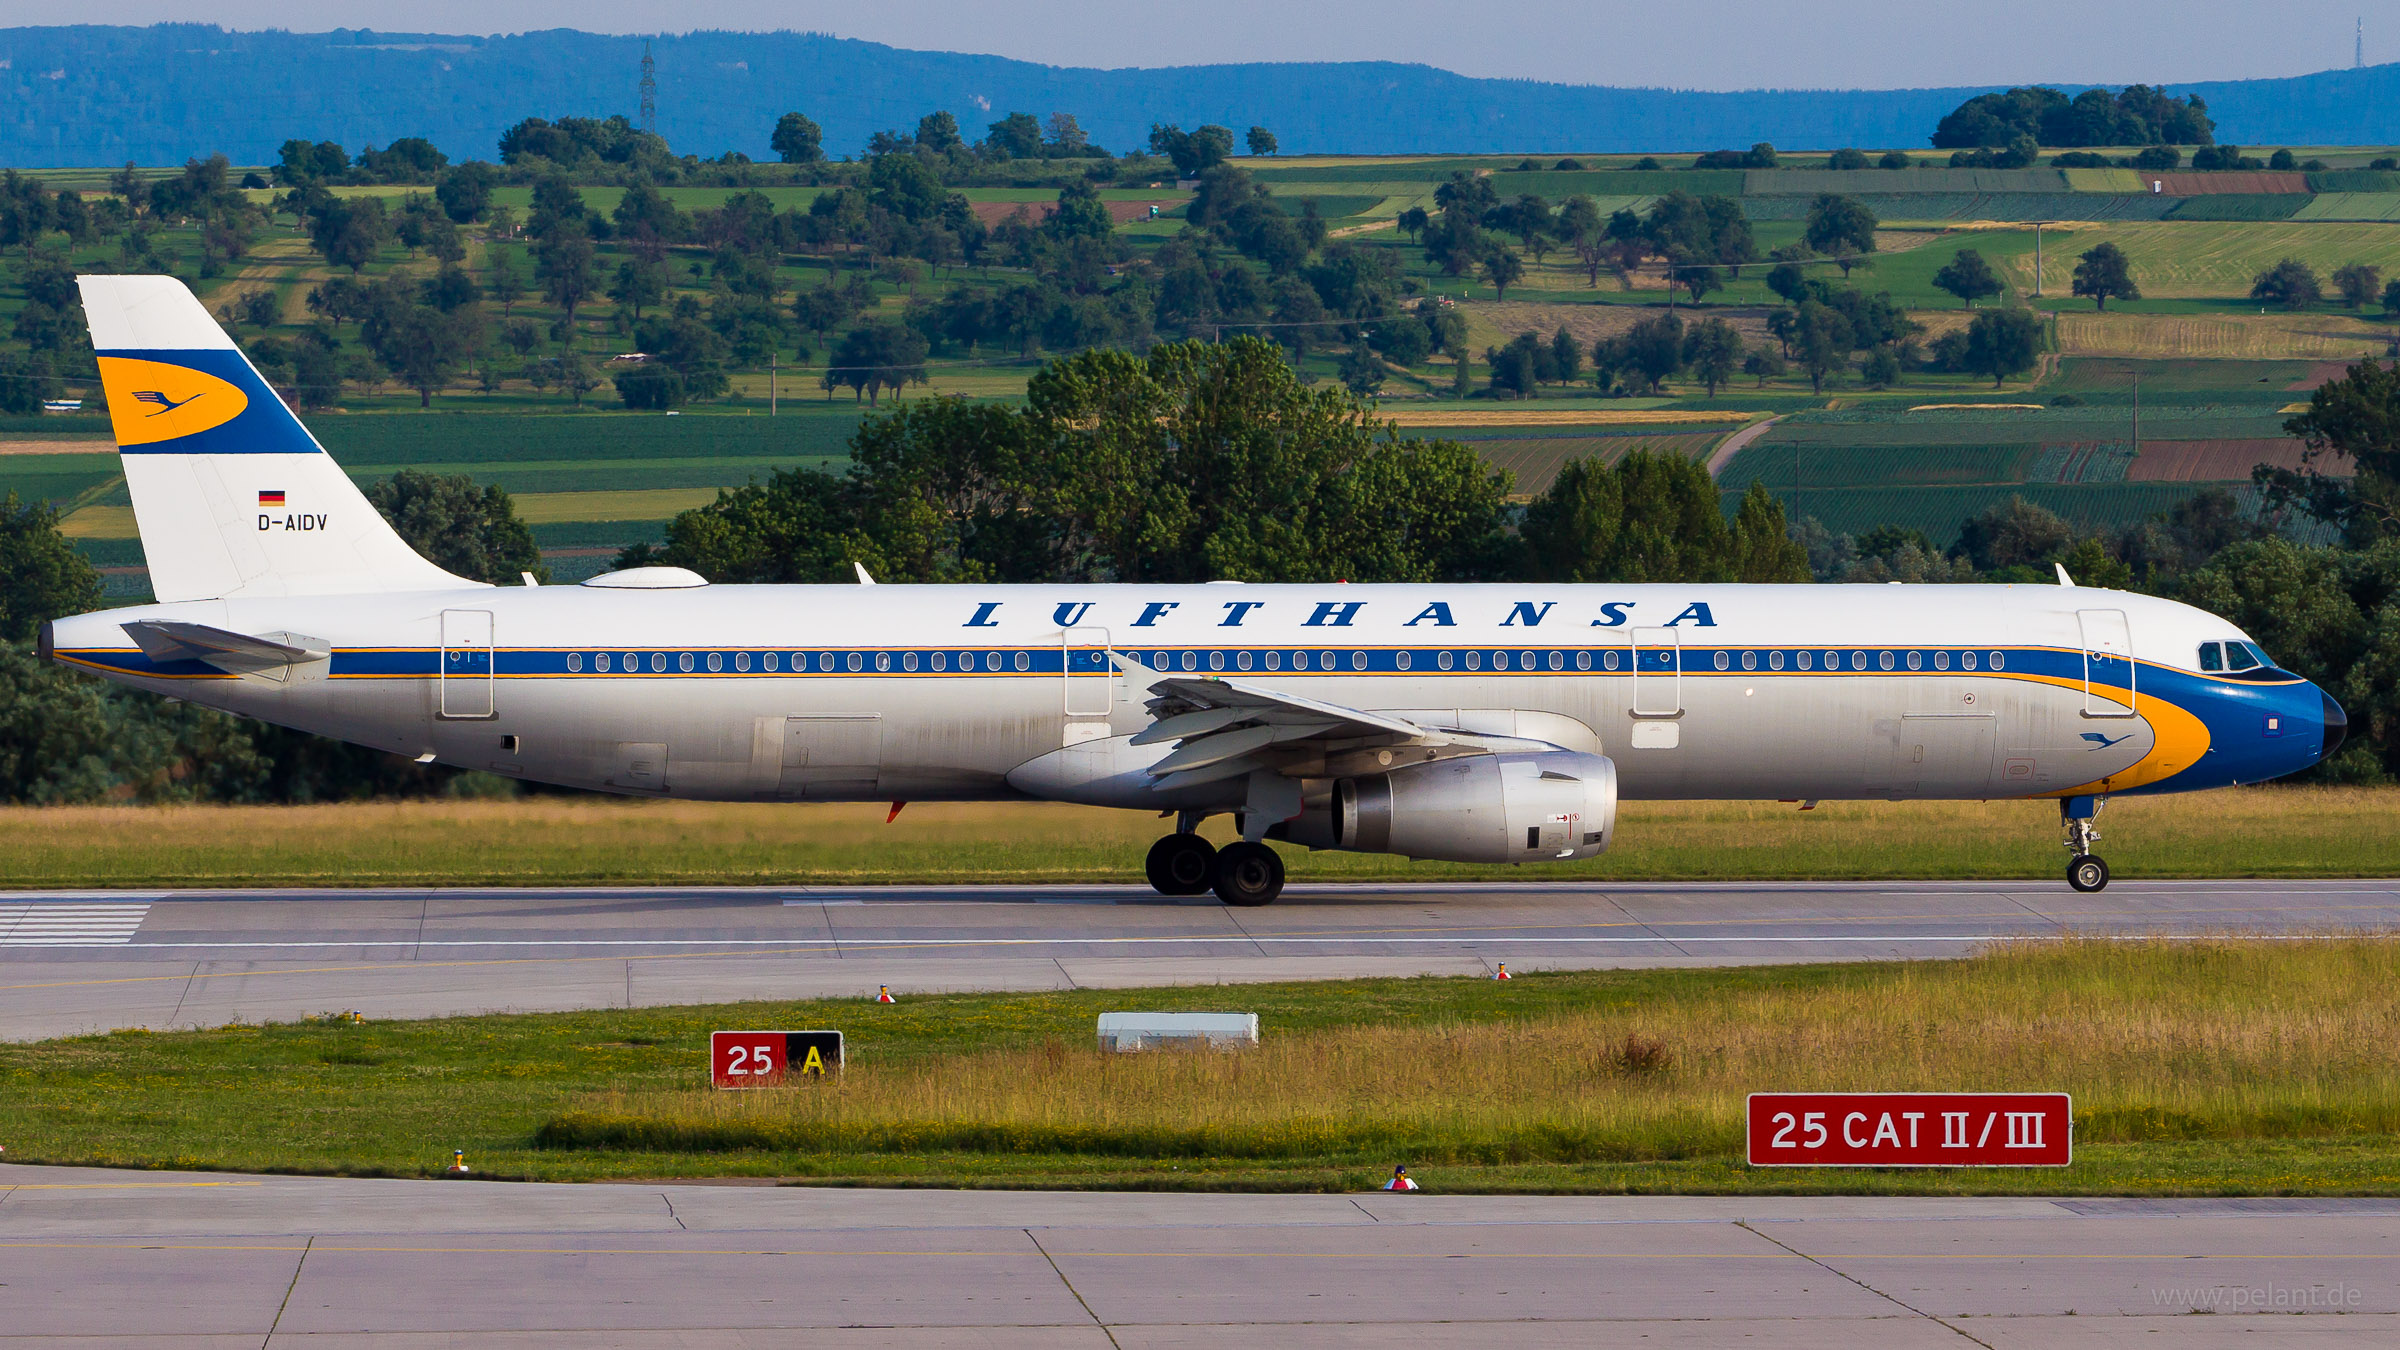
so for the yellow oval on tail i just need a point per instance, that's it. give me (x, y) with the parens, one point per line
(153, 401)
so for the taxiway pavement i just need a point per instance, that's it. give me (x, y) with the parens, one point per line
(214, 1260)
(82, 962)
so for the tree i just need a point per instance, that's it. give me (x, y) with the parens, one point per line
(467, 530)
(1193, 153)
(1064, 136)
(42, 576)
(937, 133)
(466, 191)
(1968, 277)
(2290, 284)
(2003, 342)
(875, 357)
(1016, 136)
(2358, 283)
(1766, 364)
(1821, 339)
(1566, 357)
(638, 284)
(1763, 550)
(652, 386)
(2104, 273)
(1652, 517)
(1651, 351)
(2016, 534)
(1412, 222)
(1841, 228)
(1503, 269)
(1516, 367)
(2349, 474)
(1080, 214)
(420, 344)
(347, 231)
(797, 140)
(1712, 351)
(565, 263)
(1362, 372)
(1261, 141)
(2391, 297)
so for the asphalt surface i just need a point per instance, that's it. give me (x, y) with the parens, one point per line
(100, 961)
(212, 1260)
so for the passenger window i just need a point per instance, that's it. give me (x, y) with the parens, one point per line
(1775, 660)
(1916, 660)
(1024, 662)
(1499, 661)
(1966, 660)
(1609, 659)
(769, 660)
(991, 660)
(908, 660)
(857, 662)
(2238, 656)
(2212, 657)
(1404, 660)
(1858, 661)
(1358, 660)
(1191, 661)
(658, 663)
(1216, 660)
(1807, 659)
(1884, 659)
(941, 660)
(1723, 661)
(1749, 660)
(633, 662)
(1442, 660)
(1583, 660)
(1999, 661)
(1300, 661)
(575, 661)
(1274, 660)
(1941, 660)
(741, 661)
(1241, 660)
(716, 662)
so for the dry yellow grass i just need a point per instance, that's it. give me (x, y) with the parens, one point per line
(2181, 259)
(99, 522)
(544, 508)
(541, 840)
(2153, 1040)
(2257, 337)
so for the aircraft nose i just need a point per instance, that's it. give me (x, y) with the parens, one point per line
(2337, 726)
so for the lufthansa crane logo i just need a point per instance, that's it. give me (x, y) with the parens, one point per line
(2100, 742)
(152, 402)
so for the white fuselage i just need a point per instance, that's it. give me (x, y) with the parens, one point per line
(968, 692)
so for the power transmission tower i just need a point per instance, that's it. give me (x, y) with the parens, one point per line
(2358, 46)
(649, 90)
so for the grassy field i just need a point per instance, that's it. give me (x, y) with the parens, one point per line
(2288, 832)
(2200, 1068)
(2180, 258)
(2247, 337)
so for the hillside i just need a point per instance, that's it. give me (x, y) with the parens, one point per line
(92, 95)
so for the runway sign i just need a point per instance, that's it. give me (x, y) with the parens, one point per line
(1911, 1129)
(752, 1059)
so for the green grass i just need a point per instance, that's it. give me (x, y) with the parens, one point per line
(392, 440)
(2195, 1069)
(2244, 206)
(561, 840)
(1939, 511)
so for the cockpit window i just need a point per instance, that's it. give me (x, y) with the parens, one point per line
(2212, 656)
(2241, 656)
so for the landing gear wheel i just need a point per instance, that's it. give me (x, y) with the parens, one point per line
(2087, 873)
(1181, 864)
(1248, 874)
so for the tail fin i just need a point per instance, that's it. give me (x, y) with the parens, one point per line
(232, 495)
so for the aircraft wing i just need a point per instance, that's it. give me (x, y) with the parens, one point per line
(1231, 728)
(166, 640)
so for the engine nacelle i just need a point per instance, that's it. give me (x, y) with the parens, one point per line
(1537, 806)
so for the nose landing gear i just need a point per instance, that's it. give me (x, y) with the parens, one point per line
(2086, 871)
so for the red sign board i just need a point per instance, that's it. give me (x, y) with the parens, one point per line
(750, 1059)
(1911, 1129)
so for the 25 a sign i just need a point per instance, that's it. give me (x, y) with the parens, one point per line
(1911, 1129)
(753, 1059)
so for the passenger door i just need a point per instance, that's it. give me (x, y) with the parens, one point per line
(2108, 668)
(1657, 688)
(464, 676)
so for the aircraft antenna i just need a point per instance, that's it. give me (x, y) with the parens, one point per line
(649, 90)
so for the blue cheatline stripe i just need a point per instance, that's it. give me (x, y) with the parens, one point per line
(1237, 662)
(265, 427)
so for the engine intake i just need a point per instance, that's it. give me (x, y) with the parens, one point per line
(1540, 806)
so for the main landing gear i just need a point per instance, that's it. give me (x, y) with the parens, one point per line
(1241, 873)
(2086, 871)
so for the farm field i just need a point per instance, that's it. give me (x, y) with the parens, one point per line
(2173, 259)
(2195, 1068)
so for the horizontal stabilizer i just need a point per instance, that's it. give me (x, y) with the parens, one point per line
(164, 640)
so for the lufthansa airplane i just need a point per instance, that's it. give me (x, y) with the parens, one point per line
(1485, 723)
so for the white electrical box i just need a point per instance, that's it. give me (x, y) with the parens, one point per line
(1158, 1031)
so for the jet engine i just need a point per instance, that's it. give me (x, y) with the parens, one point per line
(1540, 806)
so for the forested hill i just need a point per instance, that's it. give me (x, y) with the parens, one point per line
(101, 95)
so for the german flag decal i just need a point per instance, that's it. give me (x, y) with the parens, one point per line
(270, 498)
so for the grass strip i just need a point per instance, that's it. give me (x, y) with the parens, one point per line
(2243, 832)
(2197, 1068)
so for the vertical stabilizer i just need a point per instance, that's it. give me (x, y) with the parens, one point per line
(232, 495)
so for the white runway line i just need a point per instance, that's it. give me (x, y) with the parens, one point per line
(69, 923)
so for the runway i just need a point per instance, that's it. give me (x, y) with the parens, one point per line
(72, 963)
(214, 1260)
(159, 959)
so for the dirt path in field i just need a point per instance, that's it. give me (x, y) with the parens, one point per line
(94, 445)
(1732, 445)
